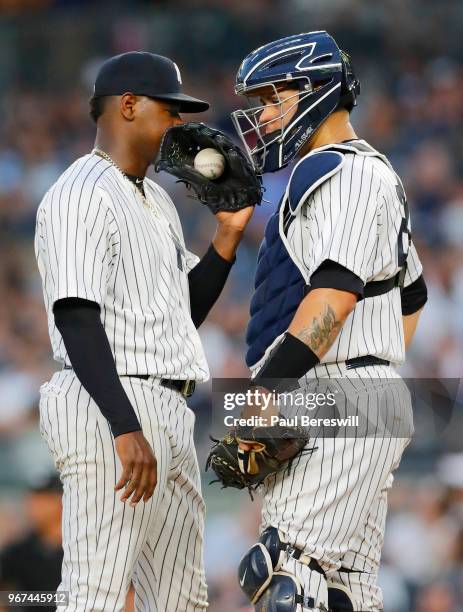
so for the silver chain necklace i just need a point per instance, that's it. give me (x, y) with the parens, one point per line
(145, 200)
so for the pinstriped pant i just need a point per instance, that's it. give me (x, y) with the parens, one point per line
(333, 502)
(157, 545)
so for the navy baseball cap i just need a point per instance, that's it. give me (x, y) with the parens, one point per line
(145, 74)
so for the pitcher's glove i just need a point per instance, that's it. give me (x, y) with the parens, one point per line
(236, 188)
(274, 449)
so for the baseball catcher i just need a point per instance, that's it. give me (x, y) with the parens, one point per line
(338, 293)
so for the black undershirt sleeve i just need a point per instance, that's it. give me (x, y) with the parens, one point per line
(87, 345)
(206, 281)
(332, 275)
(414, 296)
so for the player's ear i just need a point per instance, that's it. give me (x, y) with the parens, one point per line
(127, 104)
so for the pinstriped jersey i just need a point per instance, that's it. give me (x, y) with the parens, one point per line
(97, 240)
(355, 218)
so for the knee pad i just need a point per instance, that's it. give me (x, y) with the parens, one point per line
(256, 568)
(255, 572)
(339, 598)
(268, 588)
(273, 540)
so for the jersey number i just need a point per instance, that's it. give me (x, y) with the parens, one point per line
(404, 237)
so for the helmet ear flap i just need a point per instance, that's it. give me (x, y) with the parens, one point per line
(350, 85)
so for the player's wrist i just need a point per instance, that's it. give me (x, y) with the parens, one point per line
(226, 241)
(227, 230)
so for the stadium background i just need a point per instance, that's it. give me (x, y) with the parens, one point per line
(409, 57)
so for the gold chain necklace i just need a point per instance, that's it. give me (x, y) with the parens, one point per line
(145, 200)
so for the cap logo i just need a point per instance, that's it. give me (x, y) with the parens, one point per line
(178, 73)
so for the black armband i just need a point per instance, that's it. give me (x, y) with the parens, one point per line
(414, 296)
(287, 363)
(332, 275)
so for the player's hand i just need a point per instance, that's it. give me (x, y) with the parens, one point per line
(139, 467)
(230, 230)
(245, 446)
(235, 220)
(260, 409)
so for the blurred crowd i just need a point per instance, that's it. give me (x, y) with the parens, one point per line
(411, 108)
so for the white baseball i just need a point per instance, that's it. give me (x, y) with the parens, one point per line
(210, 163)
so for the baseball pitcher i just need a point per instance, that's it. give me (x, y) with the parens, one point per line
(124, 298)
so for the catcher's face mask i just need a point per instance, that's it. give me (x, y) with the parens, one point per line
(266, 120)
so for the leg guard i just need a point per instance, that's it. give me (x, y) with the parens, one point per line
(255, 572)
(339, 598)
(284, 594)
(263, 582)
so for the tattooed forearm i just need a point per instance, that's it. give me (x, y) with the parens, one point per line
(321, 333)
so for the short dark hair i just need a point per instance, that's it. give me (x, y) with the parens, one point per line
(97, 106)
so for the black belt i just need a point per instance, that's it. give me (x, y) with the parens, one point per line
(184, 387)
(366, 360)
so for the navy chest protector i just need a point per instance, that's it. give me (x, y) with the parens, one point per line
(279, 289)
(279, 284)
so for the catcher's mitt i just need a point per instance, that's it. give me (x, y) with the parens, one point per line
(235, 189)
(274, 449)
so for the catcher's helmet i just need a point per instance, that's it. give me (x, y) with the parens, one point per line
(320, 73)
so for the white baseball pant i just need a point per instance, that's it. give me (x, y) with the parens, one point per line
(107, 544)
(332, 503)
